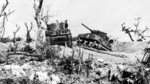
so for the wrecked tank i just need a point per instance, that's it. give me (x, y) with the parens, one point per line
(59, 34)
(96, 39)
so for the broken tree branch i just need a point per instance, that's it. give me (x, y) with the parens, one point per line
(17, 28)
(4, 7)
(137, 24)
(31, 27)
(26, 26)
(127, 30)
(15, 32)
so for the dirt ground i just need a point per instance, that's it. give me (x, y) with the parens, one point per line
(124, 53)
(130, 50)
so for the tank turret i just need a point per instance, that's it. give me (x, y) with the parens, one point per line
(97, 32)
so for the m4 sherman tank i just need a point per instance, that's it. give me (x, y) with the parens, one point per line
(96, 39)
(59, 34)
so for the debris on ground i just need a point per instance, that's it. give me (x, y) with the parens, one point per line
(62, 65)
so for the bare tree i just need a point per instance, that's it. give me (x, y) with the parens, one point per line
(4, 15)
(14, 39)
(38, 9)
(41, 15)
(137, 32)
(127, 30)
(28, 37)
(15, 32)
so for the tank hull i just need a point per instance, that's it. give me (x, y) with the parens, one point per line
(93, 41)
(64, 39)
(58, 34)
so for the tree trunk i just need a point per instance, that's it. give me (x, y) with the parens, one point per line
(130, 36)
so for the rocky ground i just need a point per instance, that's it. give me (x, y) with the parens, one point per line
(62, 65)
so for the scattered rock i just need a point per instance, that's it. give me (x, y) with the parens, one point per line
(55, 79)
(15, 70)
(26, 66)
(100, 60)
(2, 60)
(121, 67)
(43, 77)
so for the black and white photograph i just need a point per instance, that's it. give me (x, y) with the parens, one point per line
(74, 42)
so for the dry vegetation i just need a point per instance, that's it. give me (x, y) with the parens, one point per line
(62, 65)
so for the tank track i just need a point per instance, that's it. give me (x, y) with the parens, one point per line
(91, 44)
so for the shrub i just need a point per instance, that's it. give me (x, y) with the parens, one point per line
(17, 39)
(5, 40)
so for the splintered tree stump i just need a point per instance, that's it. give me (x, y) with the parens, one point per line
(28, 37)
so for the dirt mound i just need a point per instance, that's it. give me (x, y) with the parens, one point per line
(129, 47)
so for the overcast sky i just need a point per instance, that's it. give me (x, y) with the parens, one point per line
(104, 15)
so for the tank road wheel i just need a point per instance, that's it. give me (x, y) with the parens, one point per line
(90, 44)
(84, 43)
(80, 42)
(95, 44)
(69, 41)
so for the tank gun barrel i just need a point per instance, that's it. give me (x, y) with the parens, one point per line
(86, 27)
